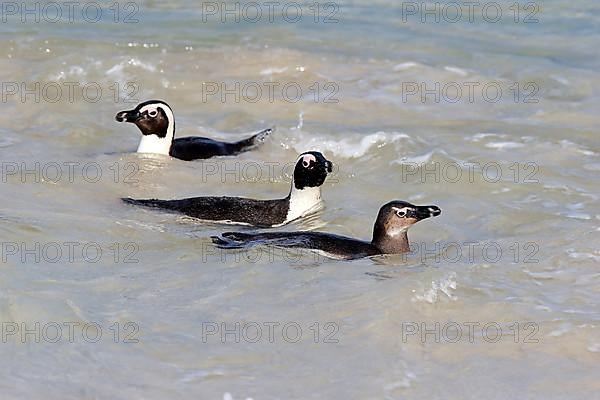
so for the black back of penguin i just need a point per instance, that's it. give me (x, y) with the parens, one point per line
(239, 210)
(195, 148)
(334, 246)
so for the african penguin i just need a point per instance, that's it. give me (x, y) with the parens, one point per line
(304, 198)
(389, 235)
(156, 121)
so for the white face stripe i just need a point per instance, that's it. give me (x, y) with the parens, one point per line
(149, 107)
(399, 230)
(307, 159)
(400, 210)
(155, 106)
(152, 109)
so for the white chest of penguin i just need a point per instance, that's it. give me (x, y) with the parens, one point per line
(303, 202)
(154, 144)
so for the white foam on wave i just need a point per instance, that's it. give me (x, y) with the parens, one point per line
(564, 328)
(591, 166)
(456, 70)
(483, 135)
(73, 71)
(201, 375)
(418, 159)
(350, 147)
(403, 383)
(300, 120)
(577, 215)
(76, 70)
(273, 70)
(118, 70)
(561, 80)
(572, 253)
(405, 66)
(594, 348)
(228, 396)
(5, 138)
(422, 159)
(567, 144)
(443, 286)
(504, 145)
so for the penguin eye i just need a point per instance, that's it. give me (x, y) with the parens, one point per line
(153, 113)
(401, 213)
(305, 163)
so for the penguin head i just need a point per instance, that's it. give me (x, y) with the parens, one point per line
(397, 216)
(311, 170)
(153, 117)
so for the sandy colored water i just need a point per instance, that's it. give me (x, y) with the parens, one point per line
(511, 264)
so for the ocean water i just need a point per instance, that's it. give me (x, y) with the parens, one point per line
(494, 118)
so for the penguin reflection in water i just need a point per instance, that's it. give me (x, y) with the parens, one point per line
(156, 121)
(389, 235)
(304, 198)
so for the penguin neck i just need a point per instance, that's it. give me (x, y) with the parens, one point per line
(154, 144)
(159, 145)
(303, 201)
(391, 243)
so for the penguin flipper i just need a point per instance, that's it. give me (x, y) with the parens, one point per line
(155, 203)
(232, 240)
(253, 141)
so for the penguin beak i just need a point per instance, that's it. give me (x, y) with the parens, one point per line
(424, 212)
(128, 116)
(329, 166)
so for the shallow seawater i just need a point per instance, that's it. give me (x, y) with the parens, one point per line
(499, 299)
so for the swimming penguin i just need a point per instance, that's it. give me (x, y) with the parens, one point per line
(389, 235)
(304, 198)
(157, 122)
